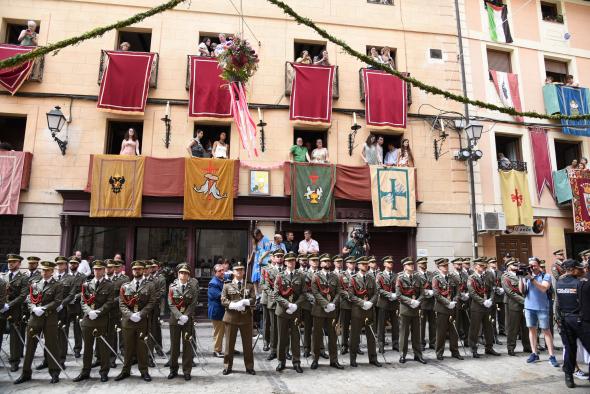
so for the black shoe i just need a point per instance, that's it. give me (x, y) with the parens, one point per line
(281, 366)
(271, 356)
(502, 333)
(353, 364)
(569, 381)
(314, 364)
(376, 363)
(23, 378)
(402, 360)
(194, 364)
(266, 348)
(458, 356)
(344, 351)
(396, 348)
(160, 353)
(172, 374)
(297, 368)
(113, 364)
(104, 377)
(168, 353)
(81, 377)
(63, 365)
(289, 356)
(41, 366)
(440, 357)
(492, 352)
(306, 354)
(423, 347)
(381, 349)
(167, 365)
(226, 371)
(54, 379)
(251, 372)
(336, 365)
(187, 376)
(121, 376)
(511, 353)
(431, 347)
(95, 364)
(323, 354)
(237, 353)
(146, 377)
(419, 359)
(151, 363)
(218, 354)
(527, 350)
(13, 367)
(498, 342)
(359, 351)
(476, 355)
(77, 354)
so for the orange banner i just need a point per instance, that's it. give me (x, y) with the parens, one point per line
(208, 189)
(117, 184)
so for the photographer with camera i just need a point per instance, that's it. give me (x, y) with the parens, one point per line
(358, 244)
(28, 37)
(536, 308)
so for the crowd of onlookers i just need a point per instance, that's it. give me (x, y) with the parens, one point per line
(578, 164)
(569, 81)
(208, 48)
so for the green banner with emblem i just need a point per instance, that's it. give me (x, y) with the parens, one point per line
(312, 192)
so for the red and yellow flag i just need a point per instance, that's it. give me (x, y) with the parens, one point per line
(516, 198)
(208, 189)
(117, 185)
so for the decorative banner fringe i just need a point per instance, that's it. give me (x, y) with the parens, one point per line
(261, 166)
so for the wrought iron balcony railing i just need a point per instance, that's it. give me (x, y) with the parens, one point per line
(507, 165)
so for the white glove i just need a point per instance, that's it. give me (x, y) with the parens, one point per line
(135, 317)
(38, 311)
(414, 304)
(290, 310)
(233, 305)
(182, 320)
(92, 315)
(5, 308)
(500, 291)
(429, 293)
(392, 296)
(367, 305)
(240, 307)
(293, 307)
(451, 305)
(330, 308)
(59, 308)
(464, 296)
(487, 303)
(246, 302)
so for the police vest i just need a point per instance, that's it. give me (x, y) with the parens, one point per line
(567, 295)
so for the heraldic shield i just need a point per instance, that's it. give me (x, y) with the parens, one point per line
(312, 196)
(393, 194)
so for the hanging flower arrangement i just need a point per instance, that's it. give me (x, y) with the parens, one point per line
(238, 60)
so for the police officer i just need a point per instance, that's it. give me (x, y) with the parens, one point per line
(388, 304)
(567, 311)
(96, 300)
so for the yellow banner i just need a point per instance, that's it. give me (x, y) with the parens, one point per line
(516, 198)
(117, 185)
(208, 189)
(393, 194)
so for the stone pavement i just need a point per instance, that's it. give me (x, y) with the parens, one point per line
(489, 374)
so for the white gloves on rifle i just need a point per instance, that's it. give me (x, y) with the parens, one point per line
(392, 296)
(135, 317)
(499, 290)
(38, 311)
(367, 305)
(487, 303)
(330, 308)
(429, 293)
(451, 305)
(291, 309)
(246, 302)
(182, 320)
(414, 304)
(92, 315)
(464, 296)
(237, 306)
(5, 308)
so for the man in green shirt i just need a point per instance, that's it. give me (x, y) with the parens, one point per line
(298, 153)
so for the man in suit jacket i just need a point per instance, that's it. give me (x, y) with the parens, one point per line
(215, 310)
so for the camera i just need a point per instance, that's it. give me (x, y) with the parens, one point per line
(523, 270)
(360, 233)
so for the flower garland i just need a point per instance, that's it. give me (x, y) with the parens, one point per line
(238, 60)
(419, 84)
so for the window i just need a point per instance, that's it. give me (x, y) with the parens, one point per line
(214, 37)
(310, 137)
(556, 69)
(139, 40)
(99, 242)
(566, 152)
(13, 30)
(314, 48)
(116, 131)
(389, 140)
(12, 131)
(550, 12)
(436, 54)
(392, 52)
(215, 244)
(386, 2)
(499, 61)
(508, 151)
(211, 134)
(162, 244)
(10, 236)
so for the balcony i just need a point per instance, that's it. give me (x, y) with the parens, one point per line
(362, 87)
(36, 74)
(153, 75)
(507, 165)
(289, 80)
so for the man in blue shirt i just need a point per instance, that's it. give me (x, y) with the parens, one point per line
(215, 310)
(536, 308)
(261, 245)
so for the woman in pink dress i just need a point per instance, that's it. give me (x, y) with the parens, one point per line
(130, 145)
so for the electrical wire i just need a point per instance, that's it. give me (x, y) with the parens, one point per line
(244, 22)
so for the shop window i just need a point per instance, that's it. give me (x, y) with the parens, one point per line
(310, 138)
(551, 12)
(507, 151)
(213, 245)
(566, 152)
(10, 237)
(13, 30)
(139, 40)
(313, 48)
(211, 134)
(12, 132)
(161, 243)
(116, 131)
(556, 70)
(99, 242)
(392, 52)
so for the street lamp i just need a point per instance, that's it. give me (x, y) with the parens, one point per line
(55, 122)
(473, 131)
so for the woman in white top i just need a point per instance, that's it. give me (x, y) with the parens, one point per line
(130, 144)
(220, 148)
(373, 54)
(320, 154)
(369, 153)
(204, 47)
(386, 57)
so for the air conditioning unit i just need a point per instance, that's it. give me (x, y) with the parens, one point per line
(491, 221)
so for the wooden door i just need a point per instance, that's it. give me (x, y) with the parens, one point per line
(518, 246)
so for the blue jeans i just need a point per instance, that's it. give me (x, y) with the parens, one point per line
(536, 318)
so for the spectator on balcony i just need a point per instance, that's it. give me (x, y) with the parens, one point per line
(195, 147)
(304, 58)
(308, 245)
(319, 154)
(581, 166)
(504, 163)
(290, 242)
(373, 54)
(28, 37)
(391, 155)
(323, 59)
(299, 153)
(130, 144)
(406, 158)
(584, 161)
(569, 81)
(220, 148)
(277, 243)
(386, 57)
(221, 46)
(379, 148)
(204, 47)
(549, 80)
(573, 165)
(369, 152)
(124, 46)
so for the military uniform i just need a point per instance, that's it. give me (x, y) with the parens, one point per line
(155, 326)
(113, 335)
(44, 298)
(482, 305)
(307, 307)
(62, 310)
(500, 311)
(96, 300)
(410, 293)
(460, 276)
(388, 306)
(264, 302)
(72, 301)
(427, 307)
(12, 311)
(271, 273)
(446, 294)
(289, 291)
(136, 300)
(363, 296)
(3, 301)
(238, 299)
(345, 306)
(182, 300)
(515, 321)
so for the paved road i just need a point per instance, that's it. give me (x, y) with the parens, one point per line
(486, 375)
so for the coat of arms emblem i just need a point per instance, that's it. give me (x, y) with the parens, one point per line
(116, 182)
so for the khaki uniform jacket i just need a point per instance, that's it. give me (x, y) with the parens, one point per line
(34, 276)
(268, 285)
(131, 301)
(231, 293)
(344, 278)
(182, 302)
(499, 298)
(480, 289)
(385, 287)
(72, 298)
(325, 287)
(49, 297)
(309, 298)
(263, 286)
(3, 291)
(427, 303)
(96, 297)
(408, 288)
(16, 293)
(362, 288)
(446, 290)
(66, 284)
(160, 284)
(289, 291)
(513, 298)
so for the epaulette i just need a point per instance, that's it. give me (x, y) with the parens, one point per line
(227, 281)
